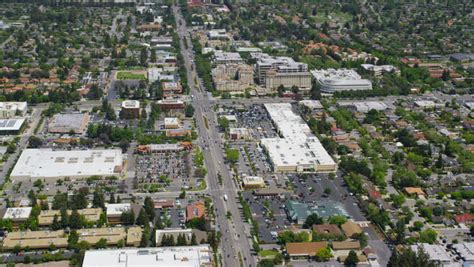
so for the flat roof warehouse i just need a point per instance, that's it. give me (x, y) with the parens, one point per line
(48, 163)
(299, 150)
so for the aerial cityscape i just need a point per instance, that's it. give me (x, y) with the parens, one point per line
(253, 133)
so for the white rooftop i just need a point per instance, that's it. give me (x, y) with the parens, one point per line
(131, 104)
(117, 208)
(298, 145)
(465, 250)
(17, 213)
(171, 120)
(252, 179)
(312, 104)
(11, 124)
(47, 163)
(189, 256)
(340, 77)
(364, 106)
(435, 253)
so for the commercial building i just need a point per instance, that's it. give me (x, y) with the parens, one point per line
(380, 70)
(251, 182)
(69, 123)
(50, 164)
(332, 80)
(298, 150)
(134, 236)
(93, 235)
(195, 210)
(171, 104)
(239, 133)
(227, 58)
(327, 229)
(11, 126)
(172, 123)
(275, 71)
(46, 217)
(12, 109)
(171, 88)
(304, 250)
(160, 148)
(299, 211)
(311, 104)
(466, 251)
(436, 253)
(17, 215)
(35, 239)
(351, 228)
(218, 34)
(363, 106)
(130, 109)
(232, 77)
(188, 256)
(114, 211)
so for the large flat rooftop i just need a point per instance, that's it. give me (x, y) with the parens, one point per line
(48, 163)
(299, 149)
(188, 256)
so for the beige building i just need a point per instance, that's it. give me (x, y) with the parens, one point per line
(252, 182)
(35, 239)
(112, 234)
(274, 79)
(134, 235)
(172, 123)
(239, 133)
(46, 217)
(232, 77)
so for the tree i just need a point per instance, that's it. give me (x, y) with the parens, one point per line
(182, 195)
(98, 199)
(72, 239)
(232, 155)
(312, 220)
(194, 242)
(149, 207)
(142, 218)
(145, 235)
(197, 223)
(428, 236)
(324, 255)
(34, 142)
(408, 257)
(181, 241)
(223, 122)
(143, 56)
(102, 243)
(112, 198)
(281, 90)
(351, 259)
(337, 219)
(56, 225)
(127, 217)
(189, 111)
(64, 218)
(75, 220)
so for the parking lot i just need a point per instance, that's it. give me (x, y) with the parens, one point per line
(170, 171)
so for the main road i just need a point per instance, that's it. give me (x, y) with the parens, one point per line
(235, 246)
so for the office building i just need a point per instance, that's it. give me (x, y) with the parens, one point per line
(332, 80)
(298, 150)
(12, 109)
(227, 58)
(232, 77)
(272, 72)
(130, 109)
(114, 211)
(171, 123)
(35, 239)
(252, 182)
(11, 126)
(187, 256)
(17, 215)
(51, 164)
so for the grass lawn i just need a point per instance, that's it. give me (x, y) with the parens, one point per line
(268, 253)
(125, 75)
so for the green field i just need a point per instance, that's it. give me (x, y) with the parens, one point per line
(125, 75)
